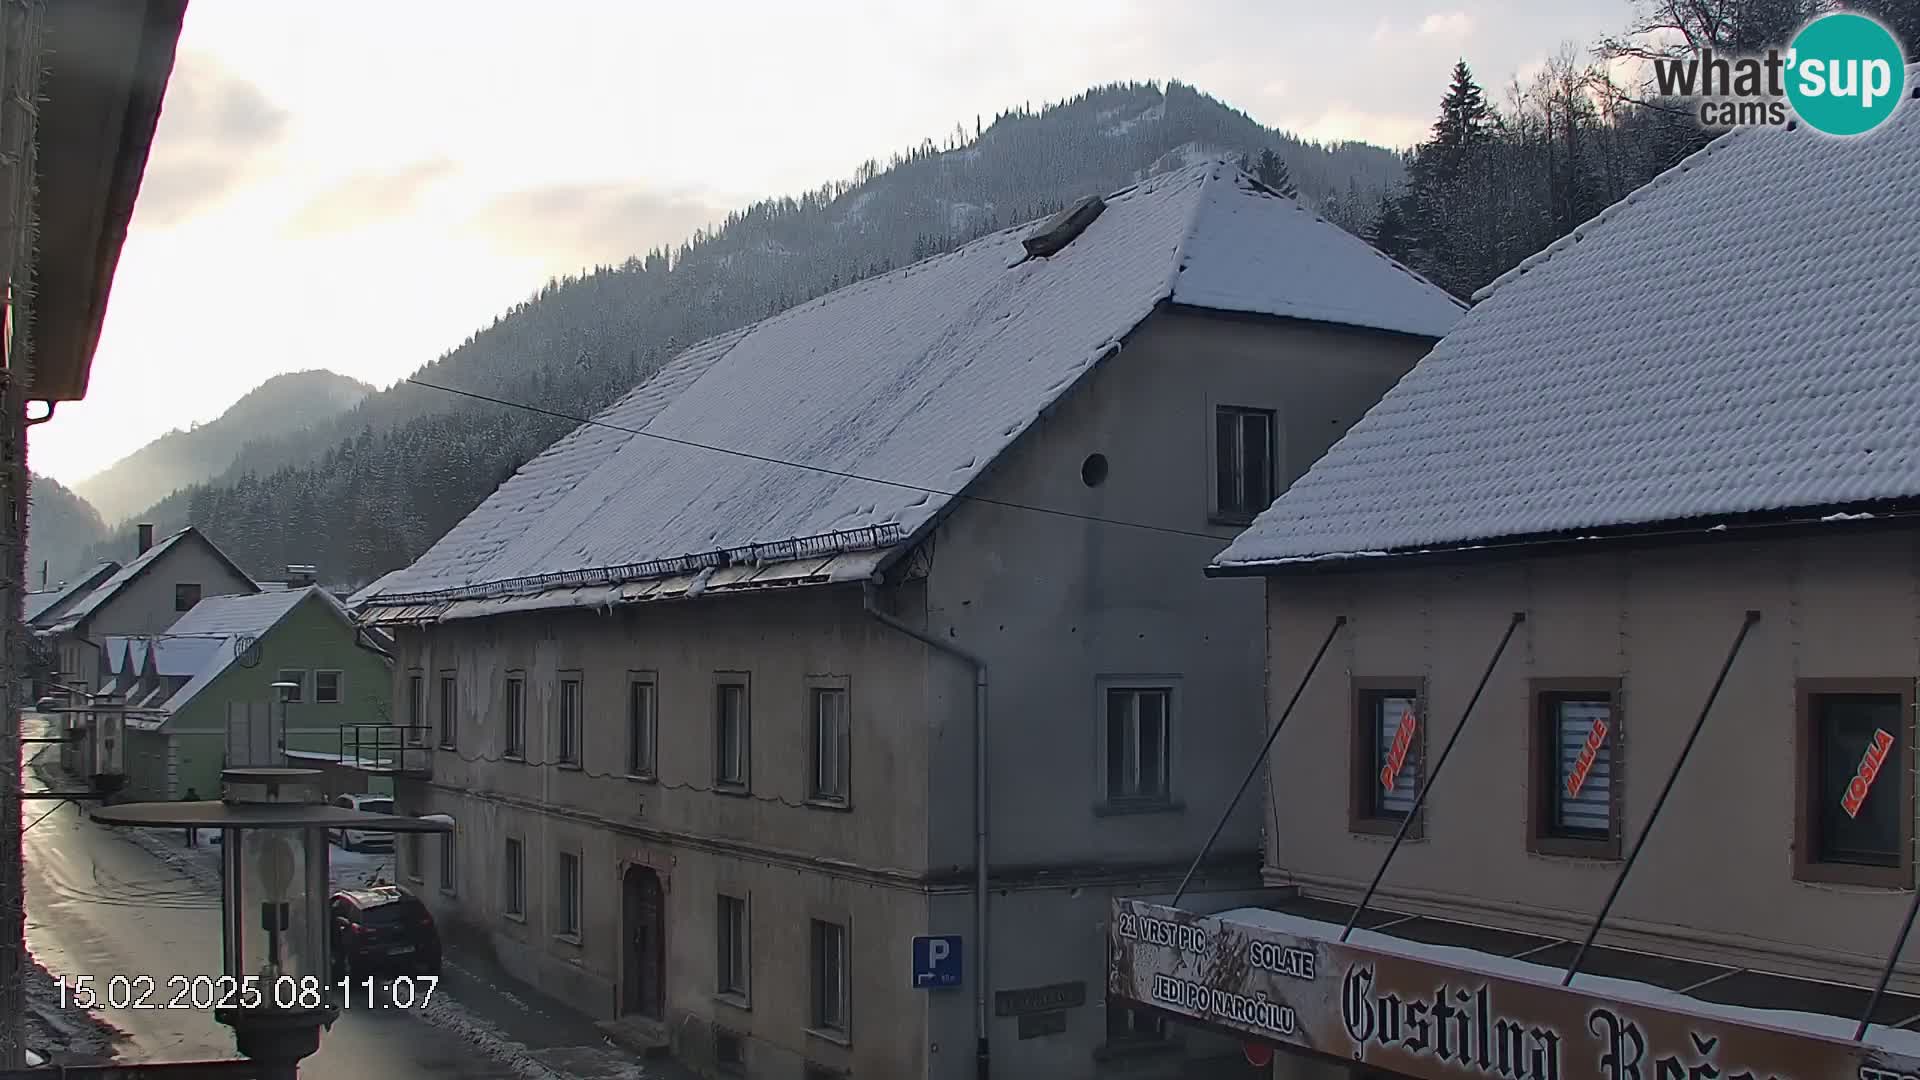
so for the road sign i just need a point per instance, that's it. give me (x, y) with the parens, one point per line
(936, 962)
(1259, 1055)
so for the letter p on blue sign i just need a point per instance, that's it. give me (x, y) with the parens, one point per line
(936, 962)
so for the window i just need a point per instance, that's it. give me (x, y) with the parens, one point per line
(513, 878)
(1577, 768)
(296, 692)
(1242, 462)
(1856, 785)
(1389, 753)
(829, 977)
(449, 862)
(185, 595)
(326, 687)
(566, 912)
(733, 946)
(642, 723)
(416, 707)
(831, 748)
(729, 1050)
(730, 732)
(449, 714)
(1137, 742)
(569, 748)
(516, 734)
(415, 860)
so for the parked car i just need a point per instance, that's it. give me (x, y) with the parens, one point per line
(383, 929)
(356, 839)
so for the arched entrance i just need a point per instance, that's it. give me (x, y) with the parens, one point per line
(643, 957)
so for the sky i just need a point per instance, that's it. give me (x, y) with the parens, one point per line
(359, 186)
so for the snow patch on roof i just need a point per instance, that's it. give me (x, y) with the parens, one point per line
(905, 386)
(246, 613)
(1737, 337)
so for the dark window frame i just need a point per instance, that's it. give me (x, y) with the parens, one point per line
(1543, 768)
(339, 686)
(1135, 685)
(514, 722)
(1242, 511)
(447, 716)
(299, 696)
(449, 859)
(513, 878)
(570, 882)
(1363, 766)
(743, 783)
(820, 688)
(643, 736)
(570, 733)
(190, 598)
(416, 706)
(1807, 866)
(840, 1027)
(731, 952)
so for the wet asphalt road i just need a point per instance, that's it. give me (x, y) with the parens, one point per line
(97, 905)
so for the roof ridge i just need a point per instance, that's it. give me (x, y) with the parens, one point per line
(1665, 178)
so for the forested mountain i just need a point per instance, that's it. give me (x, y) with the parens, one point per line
(369, 490)
(61, 527)
(282, 404)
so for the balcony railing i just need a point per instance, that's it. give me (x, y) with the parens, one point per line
(387, 749)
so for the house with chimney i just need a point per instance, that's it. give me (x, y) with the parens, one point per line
(803, 710)
(1593, 653)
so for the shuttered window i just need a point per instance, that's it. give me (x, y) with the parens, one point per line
(1582, 733)
(1389, 711)
(1855, 819)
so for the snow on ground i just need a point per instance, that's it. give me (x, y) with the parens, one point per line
(67, 1036)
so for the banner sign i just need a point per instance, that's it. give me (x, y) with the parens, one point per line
(1427, 1020)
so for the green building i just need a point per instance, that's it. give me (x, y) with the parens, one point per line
(203, 693)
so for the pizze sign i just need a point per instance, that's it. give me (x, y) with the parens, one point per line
(1421, 1019)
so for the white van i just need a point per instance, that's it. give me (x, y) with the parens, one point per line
(355, 839)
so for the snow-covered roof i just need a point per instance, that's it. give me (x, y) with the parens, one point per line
(1740, 336)
(180, 656)
(220, 628)
(917, 378)
(111, 587)
(48, 604)
(370, 590)
(244, 613)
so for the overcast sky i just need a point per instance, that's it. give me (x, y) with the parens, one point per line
(358, 186)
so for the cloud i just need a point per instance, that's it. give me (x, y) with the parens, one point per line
(216, 130)
(592, 223)
(369, 197)
(1446, 24)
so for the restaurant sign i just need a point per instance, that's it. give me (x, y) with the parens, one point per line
(1423, 1019)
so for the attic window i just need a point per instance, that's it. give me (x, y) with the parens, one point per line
(1060, 230)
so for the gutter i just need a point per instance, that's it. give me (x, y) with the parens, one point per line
(982, 1046)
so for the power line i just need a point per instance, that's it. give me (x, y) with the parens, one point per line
(765, 459)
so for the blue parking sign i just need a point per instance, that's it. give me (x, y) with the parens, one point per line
(936, 962)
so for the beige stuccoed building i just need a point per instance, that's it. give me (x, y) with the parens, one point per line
(703, 685)
(1631, 554)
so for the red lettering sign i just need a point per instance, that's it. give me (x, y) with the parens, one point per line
(1868, 772)
(1596, 738)
(1397, 754)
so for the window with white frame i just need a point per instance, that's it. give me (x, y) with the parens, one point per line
(566, 912)
(449, 711)
(516, 709)
(733, 946)
(832, 747)
(513, 879)
(642, 723)
(1139, 742)
(326, 687)
(1243, 462)
(416, 707)
(731, 732)
(570, 719)
(449, 861)
(829, 964)
(295, 691)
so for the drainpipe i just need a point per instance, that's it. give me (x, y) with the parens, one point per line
(981, 1052)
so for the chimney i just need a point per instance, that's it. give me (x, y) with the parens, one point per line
(146, 538)
(301, 575)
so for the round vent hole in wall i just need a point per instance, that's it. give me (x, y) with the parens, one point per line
(1093, 471)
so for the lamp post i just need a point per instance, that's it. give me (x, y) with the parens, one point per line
(275, 987)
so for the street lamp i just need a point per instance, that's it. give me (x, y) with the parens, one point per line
(274, 990)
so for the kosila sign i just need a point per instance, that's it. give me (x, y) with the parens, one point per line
(1397, 753)
(1421, 1019)
(1867, 773)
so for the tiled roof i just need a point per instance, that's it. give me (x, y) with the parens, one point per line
(1740, 336)
(918, 378)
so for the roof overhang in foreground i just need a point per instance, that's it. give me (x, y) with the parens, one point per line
(1817, 521)
(1437, 999)
(106, 72)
